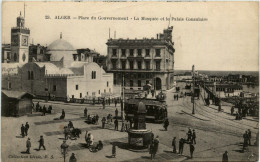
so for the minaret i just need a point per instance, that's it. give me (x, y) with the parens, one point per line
(20, 41)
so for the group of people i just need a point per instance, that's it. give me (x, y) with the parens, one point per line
(28, 144)
(25, 129)
(191, 140)
(154, 146)
(247, 139)
(43, 109)
(176, 97)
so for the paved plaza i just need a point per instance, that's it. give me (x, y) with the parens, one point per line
(217, 132)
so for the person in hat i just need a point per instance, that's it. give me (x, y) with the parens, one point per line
(85, 112)
(189, 134)
(193, 140)
(192, 148)
(28, 146)
(22, 130)
(174, 144)
(225, 157)
(166, 124)
(156, 145)
(73, 158)
(26, 128)
(41, 141)
(114, 151)
(249, 137)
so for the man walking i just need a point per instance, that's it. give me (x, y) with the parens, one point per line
(225, 157)
(116, 113)
(166, 124)
(85, 112)
(174, 144)
(115, 102)
(104, 104)
(103, 122)
(156, 145)
(73, 158)
(245, 136)
(22, 130)
(181, 146)
(26, 128)
(192, 148)
(28, 146)
(66, 132)
(41, 141)
(193, 140)
(116, 124)
(189, 135)
(249, 137)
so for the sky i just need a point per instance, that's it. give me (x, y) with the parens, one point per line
(228, 40)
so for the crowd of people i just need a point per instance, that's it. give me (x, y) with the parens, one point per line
(43, 110)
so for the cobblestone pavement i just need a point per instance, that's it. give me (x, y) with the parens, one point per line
(216, 133)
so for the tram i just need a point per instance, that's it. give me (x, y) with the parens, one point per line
(156, 110)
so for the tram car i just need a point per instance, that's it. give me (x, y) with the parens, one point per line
(156, 110)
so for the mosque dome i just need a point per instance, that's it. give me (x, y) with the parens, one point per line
(60, 45)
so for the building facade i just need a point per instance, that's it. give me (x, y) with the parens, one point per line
(142, 61)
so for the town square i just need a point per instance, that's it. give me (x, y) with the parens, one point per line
(98, 82)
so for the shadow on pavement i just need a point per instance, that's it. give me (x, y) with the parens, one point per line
(110, 156)
(240, 151)
(24, 152)
(120, 145)
(19, 136)
(145, 157)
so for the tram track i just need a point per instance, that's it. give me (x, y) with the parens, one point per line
(216, 118)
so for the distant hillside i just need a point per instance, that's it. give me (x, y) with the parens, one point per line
(220, 73)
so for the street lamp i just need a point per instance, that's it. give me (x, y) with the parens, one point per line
(64, 149)
(123, 104)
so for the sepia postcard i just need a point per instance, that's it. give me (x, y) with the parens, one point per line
(129, 81)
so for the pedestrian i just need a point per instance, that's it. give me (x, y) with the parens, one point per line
(116, 124)
(219, 107)
(249, 137)
(73, 158)
(192, 148)
(151, 150)
(174, 96)
(97, 117)
(127, 126)
(116, 113)
(86, 136)
(85, 112)
(103, 122)
(37, 106)
(174, 144)
(93, 101)
(156, 145)
(41, 141)
(245, 136)
(225, 157)
(181, 146)
(115, 103)
(49, 109)
(104, 104)
(44, 110)
(26, 128)
(193, 140)
(66, 132)
(113, 151)
(232, 110)
(70, 125)
(189, 135)
(109, 101)
(28, 146)
(177, 97)
(166, 124)
(22, 130)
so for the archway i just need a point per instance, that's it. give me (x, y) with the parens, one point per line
(158, 83)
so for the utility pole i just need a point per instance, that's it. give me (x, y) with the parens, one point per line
(193, 94)
(123, 106)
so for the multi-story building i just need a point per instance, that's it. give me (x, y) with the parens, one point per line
(38, 53)
(142, 61)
